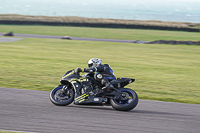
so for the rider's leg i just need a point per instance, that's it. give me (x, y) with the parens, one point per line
(104, 81)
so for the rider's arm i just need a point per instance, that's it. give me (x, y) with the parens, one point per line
(94, 69)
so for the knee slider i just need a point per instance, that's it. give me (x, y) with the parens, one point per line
(98, 76)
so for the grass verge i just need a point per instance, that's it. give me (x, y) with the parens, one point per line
(10, 132)
(162, 72)
(105, 33)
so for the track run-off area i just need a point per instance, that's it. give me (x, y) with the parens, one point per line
(32, 111)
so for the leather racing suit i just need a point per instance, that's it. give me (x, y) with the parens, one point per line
(103, 73)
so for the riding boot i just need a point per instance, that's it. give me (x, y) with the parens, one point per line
(107, 84)
(108, 87)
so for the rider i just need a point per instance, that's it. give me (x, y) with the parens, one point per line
(103, 72)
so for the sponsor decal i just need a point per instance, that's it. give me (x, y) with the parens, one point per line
(96, 99)
(81, 98)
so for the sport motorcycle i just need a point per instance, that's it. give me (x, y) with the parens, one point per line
(85, 90)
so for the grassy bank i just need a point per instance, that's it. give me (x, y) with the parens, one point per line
(106, 33)
(162, 72)
(74, 19)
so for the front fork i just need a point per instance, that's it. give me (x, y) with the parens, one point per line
(65, 89)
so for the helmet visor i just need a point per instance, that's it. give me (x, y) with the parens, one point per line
(90, 65)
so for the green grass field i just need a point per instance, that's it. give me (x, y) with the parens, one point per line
(9, 132)
(106, 33)
(162, 72)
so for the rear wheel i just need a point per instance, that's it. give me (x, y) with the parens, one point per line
(60, 98)
(127, 101)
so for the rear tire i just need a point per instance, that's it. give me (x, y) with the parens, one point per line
(60, 99)
(128, 104)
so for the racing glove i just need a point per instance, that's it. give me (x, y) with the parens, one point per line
(77, 70)
(88, 70)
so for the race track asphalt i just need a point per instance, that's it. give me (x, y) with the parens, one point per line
(32, 111)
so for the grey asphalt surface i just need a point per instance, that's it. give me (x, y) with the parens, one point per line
(32, 111)
(73, 38)
(9, 39)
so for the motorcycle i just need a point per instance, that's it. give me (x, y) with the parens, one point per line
(66, 37)
(85, 90)
(8, 34)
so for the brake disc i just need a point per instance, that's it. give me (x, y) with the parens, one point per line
(61, 95)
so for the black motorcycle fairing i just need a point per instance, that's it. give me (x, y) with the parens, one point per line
(85, 90)
(122, 82)
(87, 99)
(80, 83)
(70, 77)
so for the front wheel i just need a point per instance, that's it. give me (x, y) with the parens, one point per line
(127, 101)
(60, 98)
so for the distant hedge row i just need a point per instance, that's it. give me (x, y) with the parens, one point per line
(102, 25)
(174, 42)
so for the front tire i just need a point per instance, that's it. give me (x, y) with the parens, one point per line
(62, 99)
(128, 103)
